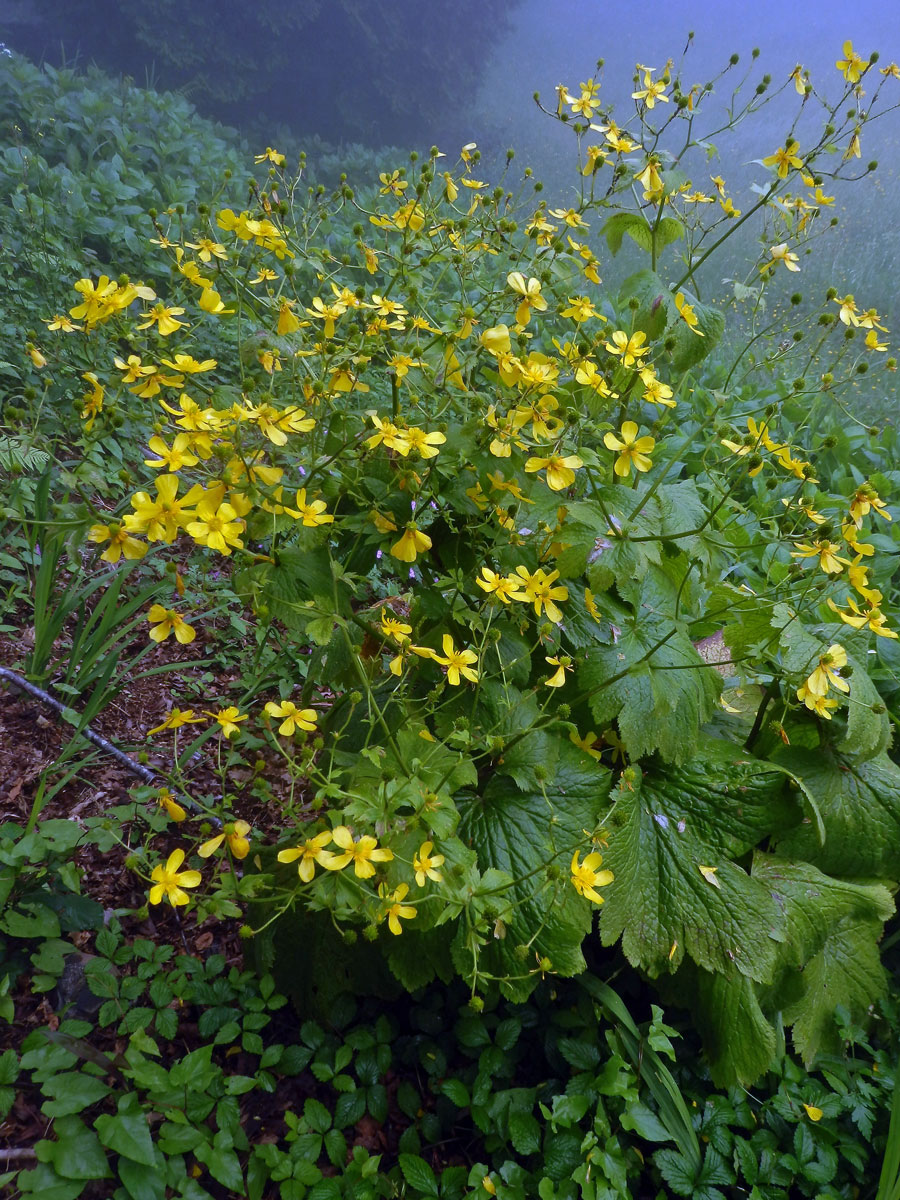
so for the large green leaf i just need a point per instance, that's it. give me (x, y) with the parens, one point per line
(641, 232)
(652, 680)
(738, 1039)
(520, 833)
(830, 955)
(860, 807)
(669, 828)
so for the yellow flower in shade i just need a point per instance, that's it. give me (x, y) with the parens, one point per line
(826, 673)
(92, 401)
(164, 318)
(389, 435)
(814, 1114)
(329, 313)
(586, 876)
(167, 801)
(186, 364)
(530, 291)
(503, 587)
(538, 588)
(121, 543)
(870, 617)
(362, 852)
(687, 314)
(62, 322)
(160, 519)
(170, 880)
(227, 718)
(629, 349)
(425, 864)
(825, 551)
(632, 450)
(411, 543)
(864, 501)
(579, 308)
(872, 342)
(399, 631)
(558, 678)
(309, 852)
(234, 835)
(655, 391)
(166, 621)
(458, 662)
(822, 705)
(784, 158)
(292, 718)
(37, 357)
(851, 66)
(588, 743)
(312, 513)
(560, 469)
(396, 910)
(651, 180)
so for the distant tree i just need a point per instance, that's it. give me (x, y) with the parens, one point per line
(346, 69)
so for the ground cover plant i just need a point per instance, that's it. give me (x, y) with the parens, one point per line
(498, 637)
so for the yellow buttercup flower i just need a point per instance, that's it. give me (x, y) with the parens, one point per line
(175, 719)
(632, 450)
(539, 589)
(630, 349)
(587, 877)
(227, 719)
(425, 864)
(309, 852)
(784, 158)
(458, 662)
(560, 469)
(826, 673)
(851, 66)
(530, 291)
(167, 801)
(170, 880)
(234, 835)
(396, 910)
(687, 314)
(121, 543)
(166, 621)
(504, 587)
(312, 513)
(411, 543)
(292, 718)
(362, 852)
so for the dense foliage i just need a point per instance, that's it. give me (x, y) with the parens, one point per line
(546, 637)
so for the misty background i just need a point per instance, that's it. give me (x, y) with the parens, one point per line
(337, 75)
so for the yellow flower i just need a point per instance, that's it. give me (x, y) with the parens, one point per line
(424, 444)
(780, 254)
(851, 66)
(425, 864)
(633, 450)
(858, 618)
(825, 551)
(169, 880)
(186, 364)
(168, 621)
(560, 470)
(62, 322)
(539, 589)
(176, 718)
(166, 800)
(362, 852)
(121, 543)
(234, 834)
(309, 852)
(271, 156)
(687, 314)
(558, 678)
(530, 291)
(588, 743)
(216, 525)
(171, 460)
(160, 519)
(163, 318)
(822, 705)
(396, 909)
(92, 401)
(651, 180)
(826, 673)
(504, 587)
(227, 718)
(652, 90)
(411, 543)
(312, 514)
(586, 876)
(784, 158)
(814, 1114)
(866, 499)
(389, 435)
(458, 662)
(629, 349)
(292, 718)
